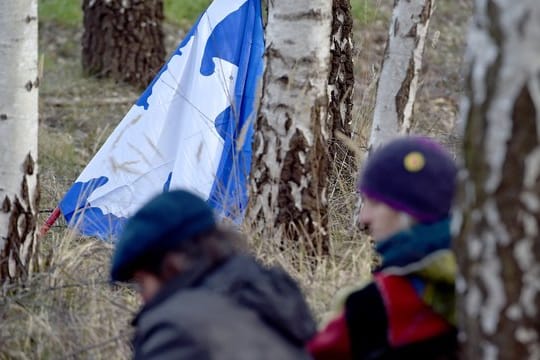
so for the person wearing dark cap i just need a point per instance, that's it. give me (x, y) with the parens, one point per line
(204, 299)
(407, 310)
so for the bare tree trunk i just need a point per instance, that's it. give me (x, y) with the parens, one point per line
(498, 218)
(290, 154)
(400, 69)
(123, 39)
(341, 83)
(18, 136)
(398, 80)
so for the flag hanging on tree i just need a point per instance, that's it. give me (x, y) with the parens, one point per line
(191, 128)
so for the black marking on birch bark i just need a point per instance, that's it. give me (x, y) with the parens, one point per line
(288, 122)
(37, 194)
(283, 80)
(30, 18)
(522, 23)
(523, 142)
(412, 31)
(262, 127)
(3, 117)
(315, 170)
(342, 8)
(494, 28)
(404, 93)
(24, 190)
(6, 205)
(341, 78)
(29, 165)
(476, 114)
(13, 243)
(426, 12)
(258, 140)
(311, 14)
(21, 227)
(29, 85)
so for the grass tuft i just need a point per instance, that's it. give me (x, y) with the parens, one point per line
(184, 12)
(366, 12)
(61, 12)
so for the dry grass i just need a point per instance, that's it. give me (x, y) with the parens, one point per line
(67, 309)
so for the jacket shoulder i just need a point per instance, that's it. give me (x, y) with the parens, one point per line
(162, 337)
(213, 323)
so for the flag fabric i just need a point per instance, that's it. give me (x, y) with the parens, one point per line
(190, 129)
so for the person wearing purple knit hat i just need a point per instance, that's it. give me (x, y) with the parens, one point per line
(408, 309)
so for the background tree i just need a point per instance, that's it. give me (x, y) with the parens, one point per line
(123, 39)
(398, 80)
(290, 153)
(18, 136)
(341, 82)
(499, 209)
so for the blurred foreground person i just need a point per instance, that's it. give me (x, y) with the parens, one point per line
(203, 299)
(407, 311)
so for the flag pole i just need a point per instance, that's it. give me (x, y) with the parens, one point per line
(50, 222)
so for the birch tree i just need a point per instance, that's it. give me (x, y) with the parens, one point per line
(341, 82)
(398, 79)
(18, 136)
(498, 217)
(290, 152)
(123, 40)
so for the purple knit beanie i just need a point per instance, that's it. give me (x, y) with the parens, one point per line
(411, 174)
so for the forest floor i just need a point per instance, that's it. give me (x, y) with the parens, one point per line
(68, 309)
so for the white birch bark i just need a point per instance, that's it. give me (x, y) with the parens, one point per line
(18, 136)
(498, 216)
(398, 80)
(290, 156)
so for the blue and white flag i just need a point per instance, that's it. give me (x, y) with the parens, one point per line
(191, 128)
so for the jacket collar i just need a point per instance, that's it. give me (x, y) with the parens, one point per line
(191, 278)
(414, 244)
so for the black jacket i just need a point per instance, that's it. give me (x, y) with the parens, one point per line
(238, 310)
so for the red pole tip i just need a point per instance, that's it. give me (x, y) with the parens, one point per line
(50, 222)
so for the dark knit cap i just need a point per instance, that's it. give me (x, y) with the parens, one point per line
(158, 227)
(414, 175)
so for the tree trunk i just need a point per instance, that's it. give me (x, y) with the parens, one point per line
(18, 136)
(398, 80)
(123, 39)
(290, 153)
(341, 83)
(498, 217)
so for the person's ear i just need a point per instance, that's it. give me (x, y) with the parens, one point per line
(147, 284)
(173, 265)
